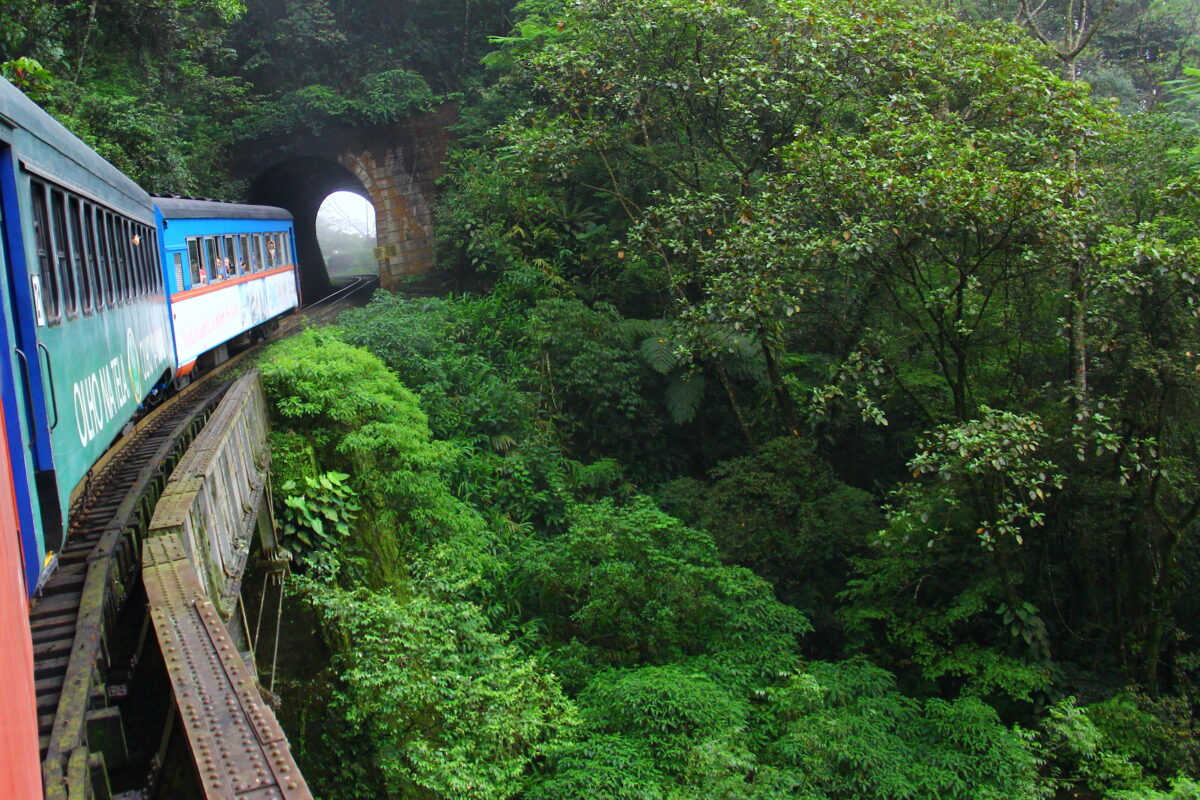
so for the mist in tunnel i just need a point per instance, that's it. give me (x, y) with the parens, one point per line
(346, 232)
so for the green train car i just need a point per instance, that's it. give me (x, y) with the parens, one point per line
(85, 314)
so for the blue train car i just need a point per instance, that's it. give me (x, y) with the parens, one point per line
(229, 268)
(85, 329)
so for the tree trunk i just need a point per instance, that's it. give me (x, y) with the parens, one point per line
(786, 409)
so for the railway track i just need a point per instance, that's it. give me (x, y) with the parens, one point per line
(80, 670)
(328, 307)
(87, 643)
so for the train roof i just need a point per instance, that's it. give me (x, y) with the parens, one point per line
(63, 158)
(193, 208)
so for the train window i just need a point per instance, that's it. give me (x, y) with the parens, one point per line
(106, 265)
(285, 247)
(120, 259)
(243, 243)
(137, 250)
(139, 246)
(131, 270)
(156, 273)
(178, 265)
(231, 255)
(81, 253)
(252, 260)
(196, 263)
(62, 251)
(136, 279)
(147, 265)
(95, 255)
(160, 280)
(212, 249)
(41, 227)
(121, 245)
(114, 266)
(138, 254)
(272, 254)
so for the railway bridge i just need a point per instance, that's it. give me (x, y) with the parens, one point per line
(154, 640)
(395, 166)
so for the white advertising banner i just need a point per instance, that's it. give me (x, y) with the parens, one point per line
(206, 316)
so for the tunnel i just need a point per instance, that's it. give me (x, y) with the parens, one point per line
(300, 185)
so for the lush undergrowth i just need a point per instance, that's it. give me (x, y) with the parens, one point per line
(833, 427)
(829, 430)
(507, 621)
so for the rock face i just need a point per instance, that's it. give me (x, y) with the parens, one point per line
(396, 167)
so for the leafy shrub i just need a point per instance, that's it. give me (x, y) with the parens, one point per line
(596, 372)
(452, 711)
(391, 96)
(842, 731)
(453, 354)
(363, 422)
(640, 587)
(782, 513)
(315, 515)
(652, 732)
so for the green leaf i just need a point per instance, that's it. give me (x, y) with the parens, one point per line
(684, 394)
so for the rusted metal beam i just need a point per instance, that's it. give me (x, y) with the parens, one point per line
(239, 750)
(117, 507)
(214, 494)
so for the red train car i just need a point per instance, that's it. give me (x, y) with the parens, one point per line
(20, 773)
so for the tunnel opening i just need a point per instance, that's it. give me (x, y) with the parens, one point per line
(347, 235)
(301, 185)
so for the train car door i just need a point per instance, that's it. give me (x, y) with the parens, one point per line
(20, 773)
(26, 405)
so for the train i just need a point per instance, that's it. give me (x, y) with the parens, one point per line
(109, 298)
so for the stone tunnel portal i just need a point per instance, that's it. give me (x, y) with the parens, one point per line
(300, 185)
(396, 167)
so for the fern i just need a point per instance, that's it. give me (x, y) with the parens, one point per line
(684, 394)
(659, 353)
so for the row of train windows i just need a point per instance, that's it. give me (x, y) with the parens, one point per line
(216, 257)
(89, 258)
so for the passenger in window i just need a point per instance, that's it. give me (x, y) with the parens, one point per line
(270, 252)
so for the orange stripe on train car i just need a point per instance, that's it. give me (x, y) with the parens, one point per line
(224, 283)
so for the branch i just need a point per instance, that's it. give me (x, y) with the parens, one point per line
(1030, 18)
(1091, 29)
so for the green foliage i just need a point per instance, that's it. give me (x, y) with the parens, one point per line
(595, 371)
(28, 75)
(843, 731)
(363, 422)
(637, 586)
(653, 732)
(988, 478)
(142, 83)
(393, 95)
(381, 98)
(315, 515)
(463, 358)
(782, 513)
(451, 710)
(950, 630)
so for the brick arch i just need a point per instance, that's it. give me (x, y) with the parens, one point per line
(395, 167)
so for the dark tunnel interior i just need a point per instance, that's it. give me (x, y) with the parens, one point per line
(300, 185)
